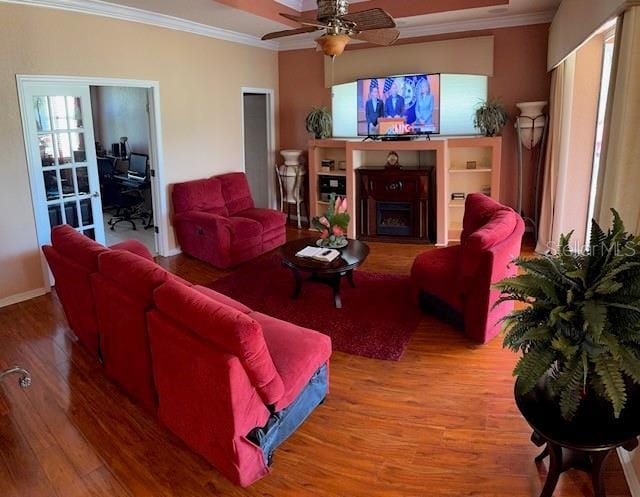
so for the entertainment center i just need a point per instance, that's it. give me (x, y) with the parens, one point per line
(447, 166)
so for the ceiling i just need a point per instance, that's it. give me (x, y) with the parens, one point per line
(245, 21)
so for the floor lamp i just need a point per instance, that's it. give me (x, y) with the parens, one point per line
(531, 128)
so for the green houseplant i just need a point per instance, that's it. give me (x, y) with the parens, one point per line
(318, 122)
(579, 330)
(490, 118)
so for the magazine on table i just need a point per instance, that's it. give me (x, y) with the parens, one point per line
(318, 253)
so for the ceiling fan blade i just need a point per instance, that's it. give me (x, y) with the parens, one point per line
(289, 32)
(305, 21)
(370, 19)
(378, 36)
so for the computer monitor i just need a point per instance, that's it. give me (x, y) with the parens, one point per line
(138, 164)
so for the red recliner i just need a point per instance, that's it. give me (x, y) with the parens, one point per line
(456, 281)
(73, 257)
(232, 383)
(216, 221)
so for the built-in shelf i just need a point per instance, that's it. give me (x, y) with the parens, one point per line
(332, 173)
(449, 155)
(478, 170)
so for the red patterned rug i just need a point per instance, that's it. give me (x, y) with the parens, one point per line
(377, 316)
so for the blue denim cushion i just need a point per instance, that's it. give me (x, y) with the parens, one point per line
(282, 424)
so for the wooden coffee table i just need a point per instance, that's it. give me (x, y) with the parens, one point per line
(330, 273)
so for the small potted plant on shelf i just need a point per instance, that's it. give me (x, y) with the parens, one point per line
(490, 118)
(333, 225)
(579, 327)
(318, 122)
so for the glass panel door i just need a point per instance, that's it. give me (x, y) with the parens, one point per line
(62, 159)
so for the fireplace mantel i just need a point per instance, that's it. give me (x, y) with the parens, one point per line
(447, 158)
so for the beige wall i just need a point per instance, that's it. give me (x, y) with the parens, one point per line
(200, 80)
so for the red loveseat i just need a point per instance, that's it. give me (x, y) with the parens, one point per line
(230, 382)
(455, 282)
(72, 258)
(216, 221)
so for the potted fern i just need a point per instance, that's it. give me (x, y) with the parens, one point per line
(319, 122)
(490, 118)
(579, 327)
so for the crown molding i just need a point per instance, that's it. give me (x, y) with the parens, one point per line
(123, 12)
(495, 22)
(294, 4)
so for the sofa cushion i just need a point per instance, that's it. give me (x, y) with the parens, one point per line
(498, 228)
(226, 328)
(139, 276)
(436, 272)
(478, 210)
(76, 246)
(297, 353)
(236, 192)
(269, 219)
(200, 195)
(223, 299)
(243, 228)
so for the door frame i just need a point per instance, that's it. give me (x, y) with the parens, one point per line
(156, 153)
(271, 137)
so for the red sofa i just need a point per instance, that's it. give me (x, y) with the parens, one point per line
(215, 220)
(72, 258)
(456, 282)
(230, 382)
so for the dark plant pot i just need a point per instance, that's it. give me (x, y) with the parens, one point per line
(593, 421)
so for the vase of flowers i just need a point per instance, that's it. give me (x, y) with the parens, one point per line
(333, 225)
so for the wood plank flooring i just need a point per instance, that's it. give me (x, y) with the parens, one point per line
(440, 422)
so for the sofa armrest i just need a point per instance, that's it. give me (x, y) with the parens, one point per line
(203, 219)
(135, 247)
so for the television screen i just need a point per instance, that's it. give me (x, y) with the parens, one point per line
(399, 105)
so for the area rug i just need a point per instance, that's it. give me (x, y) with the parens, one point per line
(377, 316)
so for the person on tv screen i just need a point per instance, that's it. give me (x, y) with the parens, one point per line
(374, 109)
(394, 106)
(424, 104)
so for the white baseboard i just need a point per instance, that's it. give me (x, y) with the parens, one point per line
(174, 251)
(21, 297)
(629, 471)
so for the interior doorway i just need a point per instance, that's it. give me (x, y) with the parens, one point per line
(58, 130)
(122, 139)
(259, 144)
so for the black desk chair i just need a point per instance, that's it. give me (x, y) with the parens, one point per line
(108, 187)
(130, 202)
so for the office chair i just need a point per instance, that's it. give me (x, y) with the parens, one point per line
(131, 201)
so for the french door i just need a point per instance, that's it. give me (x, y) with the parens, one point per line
(58, 129)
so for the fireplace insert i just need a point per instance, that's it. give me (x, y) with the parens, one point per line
(394, 218)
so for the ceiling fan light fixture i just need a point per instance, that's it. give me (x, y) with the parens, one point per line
(333, 45)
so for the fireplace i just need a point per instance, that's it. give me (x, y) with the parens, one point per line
(394, 218)
(396, 204)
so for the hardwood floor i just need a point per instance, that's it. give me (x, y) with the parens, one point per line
(440, 422)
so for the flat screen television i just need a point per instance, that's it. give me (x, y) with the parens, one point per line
(399, 105)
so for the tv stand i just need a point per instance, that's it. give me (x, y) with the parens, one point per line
(396, 138)
(371, 137)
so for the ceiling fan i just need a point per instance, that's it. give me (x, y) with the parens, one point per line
(373, 26)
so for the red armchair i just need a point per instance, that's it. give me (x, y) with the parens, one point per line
(72, 258)
(216, 221)
(456, 282)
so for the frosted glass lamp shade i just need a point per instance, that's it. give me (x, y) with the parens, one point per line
(531, 122)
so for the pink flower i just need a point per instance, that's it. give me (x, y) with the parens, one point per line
(324, 235)
(337, 231)
(341, 205)
(324, 221)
